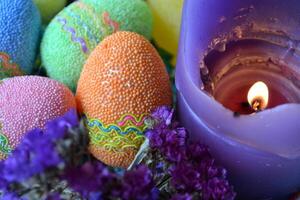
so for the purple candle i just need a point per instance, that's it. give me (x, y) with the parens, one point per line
(225, 48)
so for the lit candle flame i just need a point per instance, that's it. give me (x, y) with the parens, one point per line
(258, 96)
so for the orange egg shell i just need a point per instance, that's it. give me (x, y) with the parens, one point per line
(123, 75)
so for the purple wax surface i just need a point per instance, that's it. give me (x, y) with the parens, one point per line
(261, 151)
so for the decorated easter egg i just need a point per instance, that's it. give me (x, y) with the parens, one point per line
(166, 25)
(19, 36)
(122, 81)
(131, 15)
(28, 102)
(49, 8)
(75, 32)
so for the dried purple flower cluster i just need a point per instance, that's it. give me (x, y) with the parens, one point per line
(97, 181)
(53, 164)
(192, 171)
(25, 169)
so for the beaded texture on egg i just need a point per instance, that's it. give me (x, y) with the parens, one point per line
(79, 28)
(123, 80)
(128, 15)
(20, 26)
(28, 102)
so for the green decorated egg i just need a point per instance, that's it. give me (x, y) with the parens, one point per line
(75, 32)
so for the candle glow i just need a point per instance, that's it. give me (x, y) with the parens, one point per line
(258, 96)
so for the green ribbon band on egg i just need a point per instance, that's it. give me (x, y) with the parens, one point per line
(4, 144)
(128, 132)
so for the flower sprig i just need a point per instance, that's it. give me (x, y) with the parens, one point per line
(188, 169)
(33, 169)
(54, 164)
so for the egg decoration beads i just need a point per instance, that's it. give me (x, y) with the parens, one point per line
(28, 102)
(129, 15)
(49, 8)
(166, 26)
(75, 32)
(123, 80)
(20, 26)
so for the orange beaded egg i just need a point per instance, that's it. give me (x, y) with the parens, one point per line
(123, 80)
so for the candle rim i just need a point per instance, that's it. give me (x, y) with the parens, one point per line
(233, 138)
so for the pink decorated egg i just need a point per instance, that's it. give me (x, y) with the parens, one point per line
(28, 102)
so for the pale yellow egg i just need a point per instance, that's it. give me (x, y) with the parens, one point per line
(167, 18)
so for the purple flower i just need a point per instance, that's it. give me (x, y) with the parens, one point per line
(208, 169)
(168, 139)
(163, 114)
(156, 140)
(198, 152)
(138, 184)
(18, 166)
(95, 196)
(53, 196)
(176, 137)
(217, 188)
(88, 178)
(32, 156)
(193, 170)
(3, 182)
(174, 153)
(11, 196)
(185, 178)
(159, 169)
(42, 151)
(181, 197)
(58, 127)
(95, 181)
(174, 147)
(170, 142)
(37, 151)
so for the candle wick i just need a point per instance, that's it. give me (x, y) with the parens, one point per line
(256, 105)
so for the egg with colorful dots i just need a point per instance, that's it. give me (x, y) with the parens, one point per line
(122, 82)
(73, 34)
(20, 26)
(28, 102)
(49, 8)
